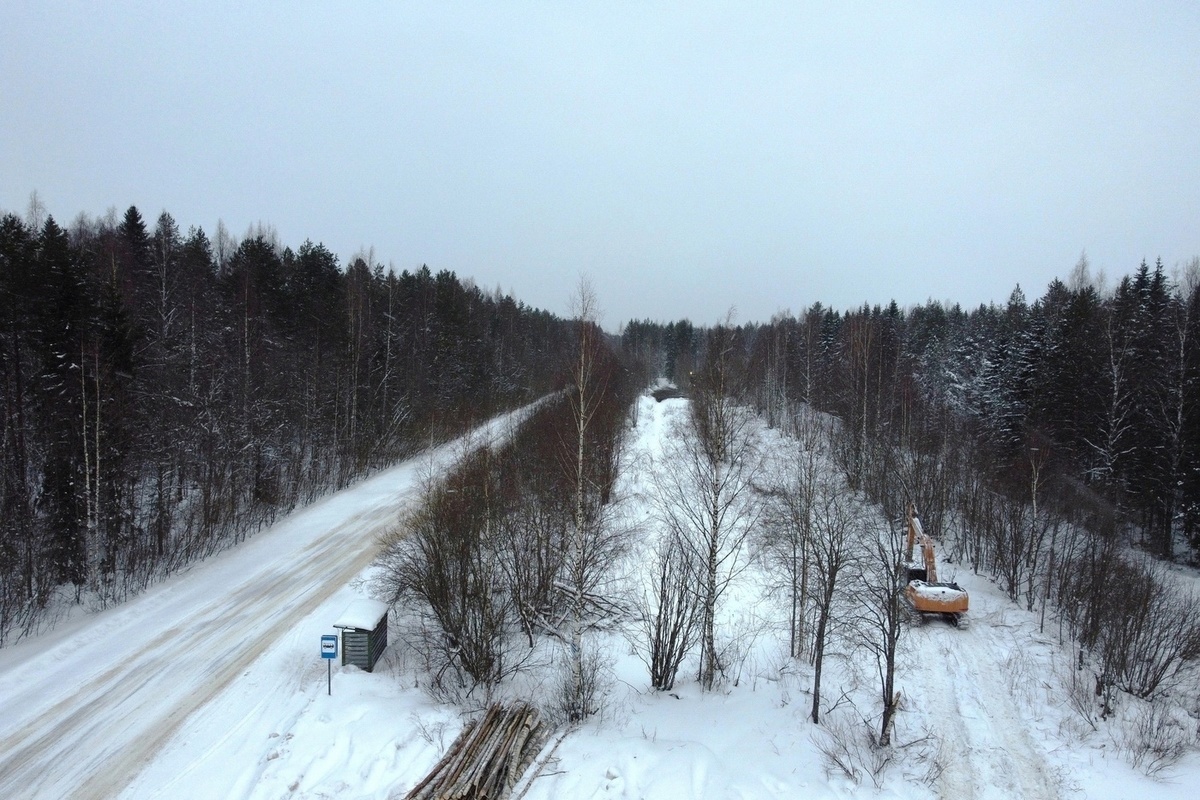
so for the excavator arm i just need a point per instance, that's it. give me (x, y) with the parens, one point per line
(930, 558)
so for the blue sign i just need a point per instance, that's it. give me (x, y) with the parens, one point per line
(329, 645)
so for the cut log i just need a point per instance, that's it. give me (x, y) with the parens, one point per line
(486, 759)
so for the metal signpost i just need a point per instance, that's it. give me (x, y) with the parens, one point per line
(329, 651)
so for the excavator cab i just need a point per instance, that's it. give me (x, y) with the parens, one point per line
(925, 595)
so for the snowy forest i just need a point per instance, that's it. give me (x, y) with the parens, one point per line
(165, 393)
(1089, 393)
(1053, 447)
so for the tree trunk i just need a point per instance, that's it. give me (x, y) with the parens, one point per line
(818, 663)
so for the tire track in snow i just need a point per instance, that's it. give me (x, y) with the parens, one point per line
(986, 751)
(958, 777)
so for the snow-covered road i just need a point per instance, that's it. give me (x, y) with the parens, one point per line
(85, 708)
(95, 708)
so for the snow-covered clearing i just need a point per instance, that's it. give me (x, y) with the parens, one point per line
(211, 686)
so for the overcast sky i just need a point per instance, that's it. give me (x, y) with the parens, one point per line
(688, 157)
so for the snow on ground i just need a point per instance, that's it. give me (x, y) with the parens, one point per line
(211, 686)
(993, 693)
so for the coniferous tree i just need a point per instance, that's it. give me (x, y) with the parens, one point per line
(61, 317)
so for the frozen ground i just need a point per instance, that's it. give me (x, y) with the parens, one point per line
(211, 686)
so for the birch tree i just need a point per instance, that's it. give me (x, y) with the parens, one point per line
(835, 518)
(586, 396)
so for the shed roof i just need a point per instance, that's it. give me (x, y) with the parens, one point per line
(362, 614)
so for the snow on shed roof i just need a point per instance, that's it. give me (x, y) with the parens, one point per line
(362, 614)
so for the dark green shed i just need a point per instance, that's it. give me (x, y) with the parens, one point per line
(364, 626)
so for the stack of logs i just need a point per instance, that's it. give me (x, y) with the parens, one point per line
(486, 759)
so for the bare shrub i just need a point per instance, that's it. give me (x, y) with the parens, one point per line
(670, 612)
(1154, 737)
(443, 554)
(433, 734)
(1144, 633)
(1020, 675)
(581, 688)
(840, 744)
(848, 748)
(531, 558)
(1079, 692)
(1158, 639)
(933, 754)
(735, 647)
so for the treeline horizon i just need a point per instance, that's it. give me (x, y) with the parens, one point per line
(165, 394)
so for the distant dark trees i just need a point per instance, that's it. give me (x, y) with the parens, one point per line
(669, 350)
(164, 394)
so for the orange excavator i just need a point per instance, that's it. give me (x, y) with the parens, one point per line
(924, 594)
